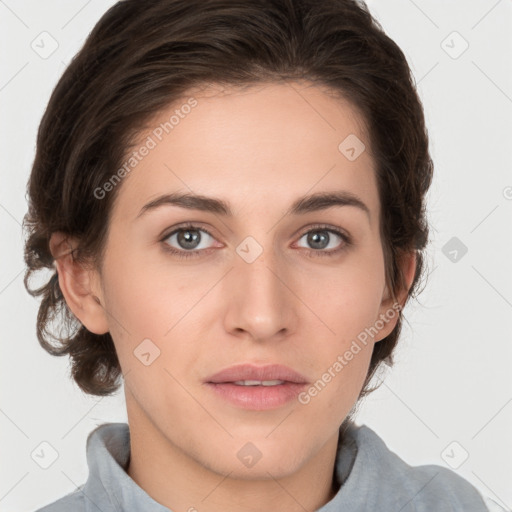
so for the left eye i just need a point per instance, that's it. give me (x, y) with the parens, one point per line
(319, 238)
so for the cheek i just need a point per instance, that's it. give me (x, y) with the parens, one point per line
(135, 305)
(346, 304)
(346, 298)
(156, 303)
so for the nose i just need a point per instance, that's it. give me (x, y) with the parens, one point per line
(261, 303)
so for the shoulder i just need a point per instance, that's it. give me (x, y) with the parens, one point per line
(73, 501)
(431, 486)
(108, 449)
(413, 488)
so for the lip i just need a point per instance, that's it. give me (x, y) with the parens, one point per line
(257, 397)
(252, 372)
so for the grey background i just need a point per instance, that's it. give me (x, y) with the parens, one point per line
(449, 395)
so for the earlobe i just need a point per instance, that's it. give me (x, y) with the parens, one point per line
(79, 284)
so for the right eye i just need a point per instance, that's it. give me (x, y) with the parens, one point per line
(188, 240)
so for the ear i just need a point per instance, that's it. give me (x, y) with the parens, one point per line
(391, 306)
(79, 284)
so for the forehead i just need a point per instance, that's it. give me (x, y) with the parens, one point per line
(257, 147)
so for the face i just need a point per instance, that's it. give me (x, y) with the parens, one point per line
(266, 284)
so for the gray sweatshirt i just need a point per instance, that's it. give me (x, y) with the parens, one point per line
(372, 478)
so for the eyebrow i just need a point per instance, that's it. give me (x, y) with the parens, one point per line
(301, 206)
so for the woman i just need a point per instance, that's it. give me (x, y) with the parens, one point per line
(233, 197)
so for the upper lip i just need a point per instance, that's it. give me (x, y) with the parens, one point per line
(252, 372)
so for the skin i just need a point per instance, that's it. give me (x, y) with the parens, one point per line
(258, 149)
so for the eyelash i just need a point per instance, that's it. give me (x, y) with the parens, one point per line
(347, 241)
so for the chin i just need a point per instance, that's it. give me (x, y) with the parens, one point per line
(258, 460)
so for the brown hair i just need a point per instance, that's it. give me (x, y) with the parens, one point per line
(142, 56)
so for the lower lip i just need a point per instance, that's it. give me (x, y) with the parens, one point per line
(257, 397)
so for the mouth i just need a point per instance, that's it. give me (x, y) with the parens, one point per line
(258, 388)
(259, 382)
